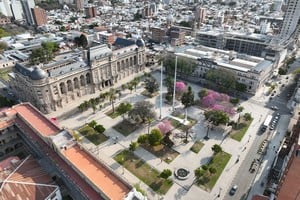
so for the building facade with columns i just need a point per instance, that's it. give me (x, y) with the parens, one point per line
(52, 86)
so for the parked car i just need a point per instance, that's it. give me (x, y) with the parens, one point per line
(274, 107)
(233, 190)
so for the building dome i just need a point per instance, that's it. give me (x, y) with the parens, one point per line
(170, 19)
(140, 42)
(38, 74)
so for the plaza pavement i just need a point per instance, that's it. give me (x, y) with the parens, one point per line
(180, 189)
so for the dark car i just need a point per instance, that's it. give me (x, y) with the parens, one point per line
(233, 190)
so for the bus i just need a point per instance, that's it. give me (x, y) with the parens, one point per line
(266, 123)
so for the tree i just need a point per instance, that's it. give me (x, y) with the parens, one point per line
(216, 148)
(165, 126)
(151, 85)
(81, 41)
(247, 116)
(240, 87)
(123, 108)
(225, 80)
(112, 97)
(212, 170)
(199, 173)
(187, 98)
(43, 54)
(3, 46)
(130, 86)
(239, 110)
(142, 110)
(216, 117)
(154, 137)
(99, 128)
(202, 93)
(133, 146)
(135, 82)
(92, 124)
(142, 139)
(166, 173)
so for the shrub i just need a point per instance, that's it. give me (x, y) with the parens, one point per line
(142, 139)
(133, 146)
(166, 173)
(92, 124)
(204, 167)
(212, 170)
(99, 128)
(234, 101)
(167, 141)
(247, 116)
(216, 148)
(154, 137)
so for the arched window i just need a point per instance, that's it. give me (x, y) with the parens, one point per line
(118, 66)
(82, 80)
(76, 83)
(88, 78)
(62, 88)
(69, 85)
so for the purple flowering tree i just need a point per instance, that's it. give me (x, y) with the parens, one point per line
(165, 126)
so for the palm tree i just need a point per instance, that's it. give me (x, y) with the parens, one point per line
(112, 97)
(239, 110)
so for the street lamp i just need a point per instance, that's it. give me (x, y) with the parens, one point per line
(206, 137)
(220, 189)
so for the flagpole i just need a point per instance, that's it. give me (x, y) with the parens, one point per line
(174, 89)
(161, 81)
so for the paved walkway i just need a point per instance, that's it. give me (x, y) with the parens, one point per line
(180, 189)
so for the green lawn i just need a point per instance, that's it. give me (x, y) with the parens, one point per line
(239, 131)
(143, 171)
(218, 162)
(197, 146)
(125, 127)
(92, 135)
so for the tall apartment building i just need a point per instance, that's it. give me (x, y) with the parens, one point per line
(200, 14)
(5, 8)
(17, 10)
(27, 5)
(291, 20)
(90, 11)
(105, 38)
(39, 16)
(79, 4)
(158, 34)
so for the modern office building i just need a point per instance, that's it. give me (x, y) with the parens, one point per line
(39, 16)
(105, 38)
(291, 19)
(27, 5)
(17, 10)
(200, 14)
(249, 70)
(247, 43)
(52, 86)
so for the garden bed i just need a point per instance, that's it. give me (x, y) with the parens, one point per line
(92, 135)
(147, 94)
(125, 127)
(197, 146)
(112, 114)
(240, 129)
(143, 171)
(218, 162)
(162, 151)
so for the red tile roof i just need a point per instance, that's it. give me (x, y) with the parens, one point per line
(290, 188)
(96, 173)
(37, 120)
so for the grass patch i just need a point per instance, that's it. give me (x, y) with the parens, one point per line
(4, 73)
(143, 171)
(240, 129)
(197, 146)
(176, 124)
(218, 162)
(92, 135)
(125, 127)
(112, 114)
(162, 151)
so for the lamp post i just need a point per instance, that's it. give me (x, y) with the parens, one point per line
(160, 97)
(220, 189)
(206, 137)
